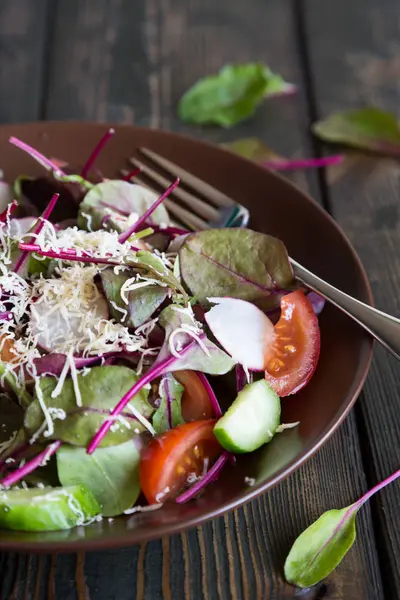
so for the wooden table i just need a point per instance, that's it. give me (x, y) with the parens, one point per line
(126, 61)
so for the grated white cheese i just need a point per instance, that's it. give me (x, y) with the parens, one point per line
(74, 377)
(284, 426)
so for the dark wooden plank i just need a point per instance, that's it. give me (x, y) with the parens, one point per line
(354, 62)
(23, 40)
(113, 60)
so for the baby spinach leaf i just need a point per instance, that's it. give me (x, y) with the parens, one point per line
(367, 128)
(118, 200)
(169, 413)
(230, 96)
(111, 474)
(142, 302)
(219, 263)
(204, 356)
(100, 390)
(321, 547)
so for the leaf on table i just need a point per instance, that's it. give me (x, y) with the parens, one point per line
(101, 389)
(203, 356)
(321, 547)
(367, 128)
(219, 262)
(169, 413)
(232, 95)
(142, 302)
(253, 149)
(119, 202)
(111, 474)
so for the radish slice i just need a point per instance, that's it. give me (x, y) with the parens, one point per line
(54, 329)
(242, 329)
(18, 227)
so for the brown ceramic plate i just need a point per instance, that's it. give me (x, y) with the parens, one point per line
(311, 237)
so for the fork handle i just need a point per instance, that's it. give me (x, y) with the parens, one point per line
(383, 327)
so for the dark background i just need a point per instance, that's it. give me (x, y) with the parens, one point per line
(130, 61)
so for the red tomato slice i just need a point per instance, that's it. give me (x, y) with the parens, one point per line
(171, 457)
(195, 400)
(294, 355)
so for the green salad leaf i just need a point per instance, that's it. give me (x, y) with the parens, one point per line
(172, 390)
(142, 302)
(321, 547)
(117, 200)
(205, 357)
(230, 96)
(111, 474)
(367, 128)
(239, 263)
(100, 390)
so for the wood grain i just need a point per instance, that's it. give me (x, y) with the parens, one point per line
(23, 45)
(130, 62)
(364, 69)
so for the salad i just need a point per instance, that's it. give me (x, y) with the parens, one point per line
(111, 319)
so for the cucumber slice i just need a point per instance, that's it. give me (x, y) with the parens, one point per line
(251, 420)
(47, 509)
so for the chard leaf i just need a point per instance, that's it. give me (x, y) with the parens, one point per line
(367, 128)
(253, 149)
(111, 474)
(219, 262)
(154, 267)
(321, 547)
(100, 390)
(205, 357)
(171, 396)
(230, 96)
(142, 302)
(119, 200)
(11, 432)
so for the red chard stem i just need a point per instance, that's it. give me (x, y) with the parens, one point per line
(90, 161)
(126, 234)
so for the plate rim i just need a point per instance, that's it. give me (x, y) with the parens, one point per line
(114, 542)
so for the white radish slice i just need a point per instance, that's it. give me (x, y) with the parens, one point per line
(18, 227)
(242, 329)
(55, 331)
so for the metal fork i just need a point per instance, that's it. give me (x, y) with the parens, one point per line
(211, 208)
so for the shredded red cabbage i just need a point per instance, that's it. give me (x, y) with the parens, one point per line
(6, 316)
(9, 210)
(312, 163)
(38, 156)
(213, 399)
(96, 152)
(37, 229)
(317, 301)
(30, 466)
(132, 174)
(241, 378)
(210, 476)
(126, 234)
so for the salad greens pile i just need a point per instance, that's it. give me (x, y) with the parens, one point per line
(106, 334)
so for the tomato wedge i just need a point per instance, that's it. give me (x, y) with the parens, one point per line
(6, 354)
(167, 462)
(293, 357)
(195, 400)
